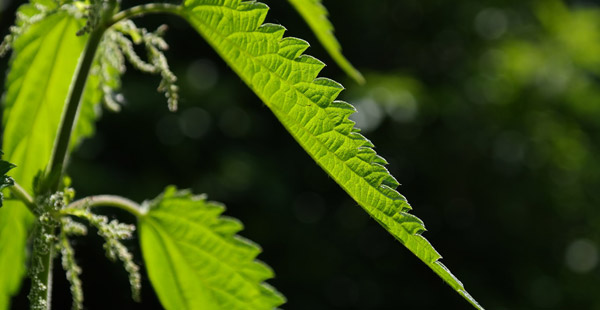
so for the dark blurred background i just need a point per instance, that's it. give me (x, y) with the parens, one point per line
(488, 112)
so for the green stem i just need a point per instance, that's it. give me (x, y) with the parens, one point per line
(45, 236)
(151, 8)
(57, 161)
(41, 275)
(109, 201)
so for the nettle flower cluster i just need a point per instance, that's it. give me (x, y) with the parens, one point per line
(56, 212)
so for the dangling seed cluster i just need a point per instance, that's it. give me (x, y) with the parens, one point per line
(113, 232)
(120, 44)
(72, 269)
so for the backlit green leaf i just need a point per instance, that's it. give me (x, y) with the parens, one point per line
(286, 81)
(41, 69)
(195, 260)
(315, 15)
(13, 232)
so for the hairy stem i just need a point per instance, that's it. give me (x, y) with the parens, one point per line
(151, 8)
(109, 201)
(41, 266)
(45, 236)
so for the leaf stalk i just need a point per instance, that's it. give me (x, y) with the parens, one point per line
(21, 194)
(108, 201)
(150, 8)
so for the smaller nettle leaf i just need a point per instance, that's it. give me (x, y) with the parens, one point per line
(195, 260)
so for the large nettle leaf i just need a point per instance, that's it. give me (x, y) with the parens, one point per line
(315, 15)
(44, 59)
(195, 260)
(286, 81)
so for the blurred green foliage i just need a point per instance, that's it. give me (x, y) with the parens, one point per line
(488, 112)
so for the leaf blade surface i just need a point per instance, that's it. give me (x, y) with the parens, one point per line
(195, 260)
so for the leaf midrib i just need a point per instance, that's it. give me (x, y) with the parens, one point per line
(168, 256)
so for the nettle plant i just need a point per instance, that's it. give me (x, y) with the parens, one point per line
(67, 58)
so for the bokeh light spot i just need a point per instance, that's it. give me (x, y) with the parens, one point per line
(194, 122)
(368, 116)
(202, 75)
(491, 23)
(581, 256)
